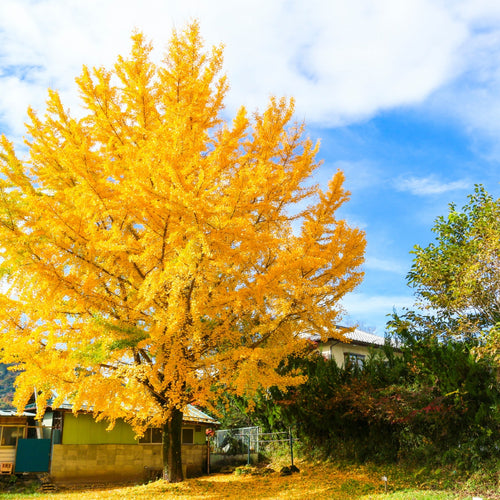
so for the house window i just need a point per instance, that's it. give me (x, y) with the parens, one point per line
(151, 436)
(9, 435)
(353, 359)
(187, 436)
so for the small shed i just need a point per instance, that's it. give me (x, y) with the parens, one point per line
(15, 429)
(83, 450)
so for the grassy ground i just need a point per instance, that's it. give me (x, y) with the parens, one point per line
(314, 481)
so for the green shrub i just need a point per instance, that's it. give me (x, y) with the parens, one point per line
(432, 401)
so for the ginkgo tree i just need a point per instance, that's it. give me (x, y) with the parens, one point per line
(154, 254)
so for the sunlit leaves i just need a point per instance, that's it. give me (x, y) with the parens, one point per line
(155, 251)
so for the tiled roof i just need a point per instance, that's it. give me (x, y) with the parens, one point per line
(356, 336)
(365, 337)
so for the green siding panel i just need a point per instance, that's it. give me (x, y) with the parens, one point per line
(200, 437)
(83, 429)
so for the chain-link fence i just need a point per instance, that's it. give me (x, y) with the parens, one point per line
(236, 441)
(245, 444)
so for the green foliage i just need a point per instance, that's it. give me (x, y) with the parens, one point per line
(7, 379)
(437, 399)
(265, 410)
(432, 401)
(457, 277)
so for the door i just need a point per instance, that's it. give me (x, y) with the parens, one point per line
(33, 455)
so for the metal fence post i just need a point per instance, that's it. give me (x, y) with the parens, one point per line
(208, 455)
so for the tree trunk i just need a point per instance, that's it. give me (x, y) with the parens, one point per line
(172, 449)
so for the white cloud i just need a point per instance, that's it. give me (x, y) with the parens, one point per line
(357, 303)
(359, 175)
(388, 265)
(372, 310)
(473, 100)
(425, 186)
(342, 61)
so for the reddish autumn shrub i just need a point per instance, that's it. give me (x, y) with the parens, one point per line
(430, 400)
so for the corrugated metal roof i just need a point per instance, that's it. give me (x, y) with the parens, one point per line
(196, 415)
(191, 413)
(13, 413)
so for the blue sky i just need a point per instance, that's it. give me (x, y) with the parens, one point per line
(404, 96)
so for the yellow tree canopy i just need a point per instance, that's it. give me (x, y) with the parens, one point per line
(153, 252)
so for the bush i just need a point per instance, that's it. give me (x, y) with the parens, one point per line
(432, 401)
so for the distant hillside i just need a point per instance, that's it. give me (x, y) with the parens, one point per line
(7, 379)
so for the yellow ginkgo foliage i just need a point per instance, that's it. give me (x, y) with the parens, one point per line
(154, 253)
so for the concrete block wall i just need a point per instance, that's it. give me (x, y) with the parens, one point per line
(118, 462)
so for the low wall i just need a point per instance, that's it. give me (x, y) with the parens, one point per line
(118, 462)
(219, 460)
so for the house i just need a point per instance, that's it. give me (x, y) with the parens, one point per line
(355, 349)
(12, 428)
(75, 448)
